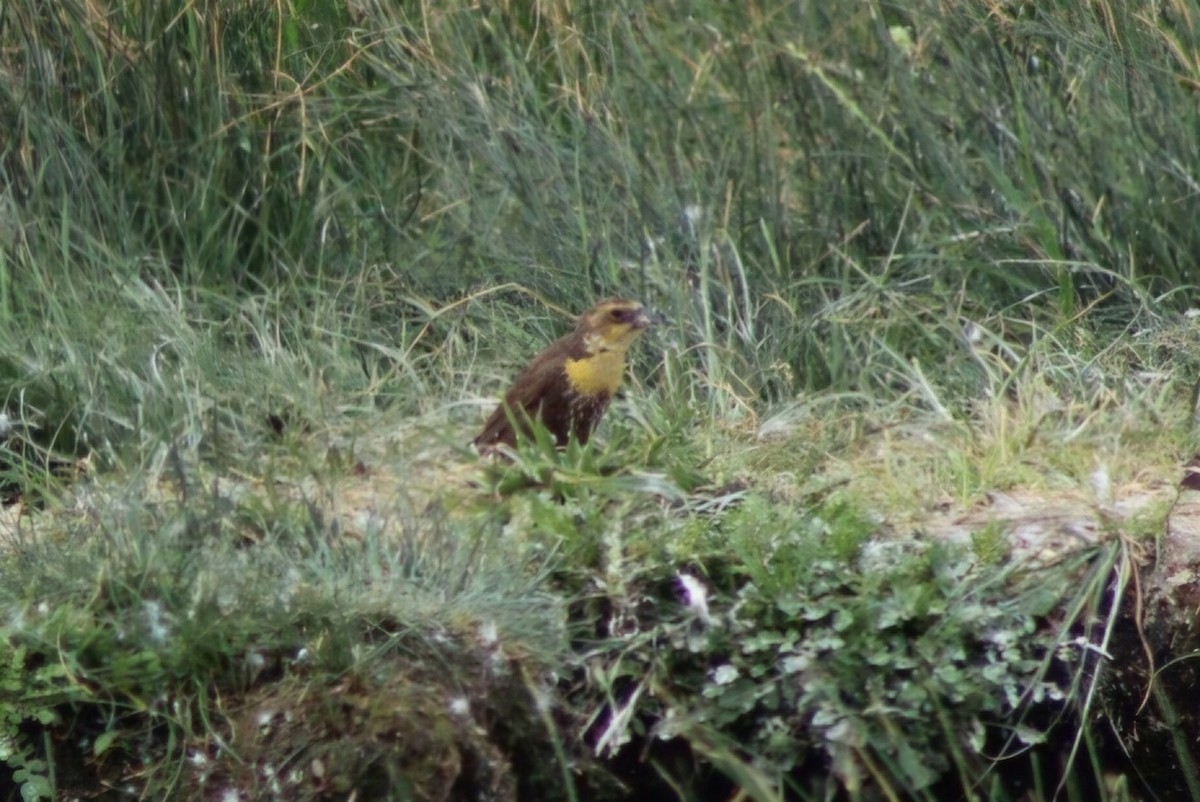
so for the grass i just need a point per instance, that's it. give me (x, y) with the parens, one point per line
(852, 530)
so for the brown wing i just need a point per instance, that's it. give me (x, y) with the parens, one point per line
(538, 393)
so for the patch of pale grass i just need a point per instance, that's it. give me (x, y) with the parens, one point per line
(1054, 456)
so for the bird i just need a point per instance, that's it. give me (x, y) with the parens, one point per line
(568, 386)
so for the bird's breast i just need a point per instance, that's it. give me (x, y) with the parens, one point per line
(596, 374)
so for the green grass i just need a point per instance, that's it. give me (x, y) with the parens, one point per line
(264, 267)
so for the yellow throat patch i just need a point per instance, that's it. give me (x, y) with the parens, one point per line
(600, 373)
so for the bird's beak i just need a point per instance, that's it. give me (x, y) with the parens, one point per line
(646, 318)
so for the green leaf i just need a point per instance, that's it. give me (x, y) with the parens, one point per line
(103, 741)
(34, 787)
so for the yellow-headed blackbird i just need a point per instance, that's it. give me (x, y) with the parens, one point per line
(568, 386)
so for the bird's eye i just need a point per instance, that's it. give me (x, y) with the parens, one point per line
(617, 314)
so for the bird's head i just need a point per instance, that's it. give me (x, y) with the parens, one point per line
(613, 324)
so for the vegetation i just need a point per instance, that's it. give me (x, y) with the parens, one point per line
(265, 266)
